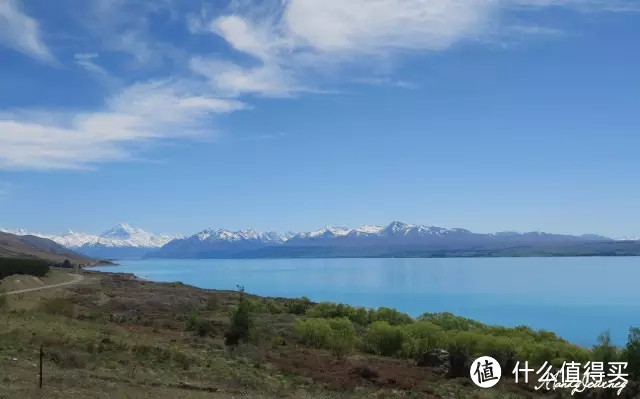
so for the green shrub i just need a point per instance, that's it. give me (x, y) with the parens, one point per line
(420, 337)
(330, 310)
(449, 321)
(604, 351)
(313, 332)
(3, 300)
(342, 338)
(391, 316)
(273, 307)
(632, 352)
(337, 335)
(383, 339)
(200, 326)
(503, 349)
(240, 323)
(298, 306)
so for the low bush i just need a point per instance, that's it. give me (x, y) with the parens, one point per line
(298, 306)
(421, 337)
(391, 316)
(383, 339)
(199, 325)
(604, 350)
(337, 335)
(313, 332)
(343, 337)
(631, 353)
(240, 323)
(359, 315)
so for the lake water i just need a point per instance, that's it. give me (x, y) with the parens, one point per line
(577, 298)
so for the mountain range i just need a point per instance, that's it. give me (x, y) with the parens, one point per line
(119, 242)
(394, 240)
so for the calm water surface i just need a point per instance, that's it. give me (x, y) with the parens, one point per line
(577, 298)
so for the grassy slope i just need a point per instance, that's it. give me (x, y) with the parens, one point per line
(118, 337)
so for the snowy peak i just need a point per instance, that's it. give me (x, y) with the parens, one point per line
(122, 235)
(123, 231)
(211, 235)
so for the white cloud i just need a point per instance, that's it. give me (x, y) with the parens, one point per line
(87, 61)
(21, 32)
(289, 47)
(142, 112)
(583, 5)
(313, 36)
(297, 38)
(381, 26)
(233, 80)
(244, 37)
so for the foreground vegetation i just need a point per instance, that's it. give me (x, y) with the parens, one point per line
(115, 336)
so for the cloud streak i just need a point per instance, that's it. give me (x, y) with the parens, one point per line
(161, 110)
(21, 32)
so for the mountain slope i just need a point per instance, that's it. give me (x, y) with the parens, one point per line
(32, 247)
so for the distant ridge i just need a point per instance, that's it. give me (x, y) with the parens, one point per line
(397, 239)
(394, 240)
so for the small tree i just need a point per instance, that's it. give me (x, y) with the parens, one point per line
(632, 352)
(342, 338)
(604, 351)
(240, 322)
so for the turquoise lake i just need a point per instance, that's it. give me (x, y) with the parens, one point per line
(578, 298)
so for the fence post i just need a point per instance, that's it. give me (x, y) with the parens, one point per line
(41, 355)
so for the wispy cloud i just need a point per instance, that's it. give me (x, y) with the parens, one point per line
(174, 90)
(386, 81)
(296, 39)
(313, 36)
(88, 62)
(162, 110)
(21, 32)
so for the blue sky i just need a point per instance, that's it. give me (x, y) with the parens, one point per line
(179, 115)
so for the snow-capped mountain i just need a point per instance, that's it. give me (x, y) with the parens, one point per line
(214, 243)
(628, 238)
(121, 241)
(395, 238)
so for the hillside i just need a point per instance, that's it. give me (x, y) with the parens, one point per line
(32, 247)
